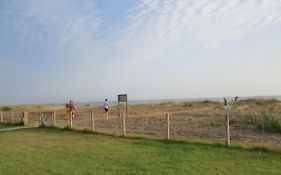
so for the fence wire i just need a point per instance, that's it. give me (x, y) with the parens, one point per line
(183, 124)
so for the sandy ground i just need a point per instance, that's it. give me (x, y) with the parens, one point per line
(188, 120)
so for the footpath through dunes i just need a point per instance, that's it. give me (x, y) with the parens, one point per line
(57, 151)
(12, 128)
(188, 120)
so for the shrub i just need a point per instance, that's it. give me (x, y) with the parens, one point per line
(250, 119)
(270, 124)
(19, 123)
(43, 125)
(259, 102)
(67, 128)
(6, 108)
(261, 149)
(186, 104)
(232, 121)
(87, 131)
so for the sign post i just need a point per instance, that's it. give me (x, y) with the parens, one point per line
(227, 128)
(122, 98)
(227, 138)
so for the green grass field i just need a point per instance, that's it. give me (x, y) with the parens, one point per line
(54, 151)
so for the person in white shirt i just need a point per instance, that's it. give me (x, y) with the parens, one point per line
(106, 109)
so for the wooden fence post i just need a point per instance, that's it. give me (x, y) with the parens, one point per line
(1, 116)
(55, 118)
(227, 139)
(70, 120)
(93, 121)
(25, 118)
(167, 126)
(123, 124)
(41, 119)
(12, 116)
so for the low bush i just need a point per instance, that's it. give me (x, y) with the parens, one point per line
(187, 104)
(6, 108)
(232, 121)
(87, 131)
(250, 119)
(259, 101)
(67, 128)
(270, 124)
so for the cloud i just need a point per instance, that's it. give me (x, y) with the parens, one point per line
(60, 25)
(158, 25)
(153, 27)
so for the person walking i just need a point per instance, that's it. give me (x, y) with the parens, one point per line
(225, 103)
(235, 99)
(106, 109)
(70, 109)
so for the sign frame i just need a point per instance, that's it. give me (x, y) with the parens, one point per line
(122, 98)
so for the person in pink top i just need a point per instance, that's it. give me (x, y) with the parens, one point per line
(71, 108)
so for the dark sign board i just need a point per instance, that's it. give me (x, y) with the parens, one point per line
(122, 98)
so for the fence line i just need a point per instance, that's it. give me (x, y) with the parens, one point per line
(164, 125)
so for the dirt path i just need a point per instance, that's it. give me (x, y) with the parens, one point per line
(13, 128)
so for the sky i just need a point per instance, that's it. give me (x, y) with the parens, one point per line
(52, 51)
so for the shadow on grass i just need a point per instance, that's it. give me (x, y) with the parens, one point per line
(146, 140)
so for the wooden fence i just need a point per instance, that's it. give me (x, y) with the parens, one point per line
(216, 127)
(160, 125)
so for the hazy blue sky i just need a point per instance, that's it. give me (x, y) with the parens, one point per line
(55, 50)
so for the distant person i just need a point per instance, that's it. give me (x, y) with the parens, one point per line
(225, 103)
(70, 109)
(235, 99)
(106, 108)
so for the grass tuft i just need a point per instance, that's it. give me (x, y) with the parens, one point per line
(261, 149)
(67, 128)
(270, 124)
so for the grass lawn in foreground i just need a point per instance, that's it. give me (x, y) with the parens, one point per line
(53, 151)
